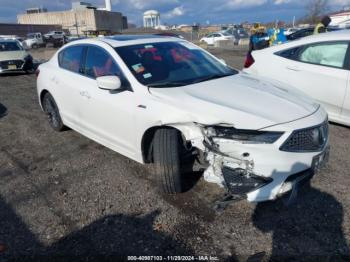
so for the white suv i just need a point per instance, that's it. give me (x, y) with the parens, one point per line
(55, 35)
(165, 101)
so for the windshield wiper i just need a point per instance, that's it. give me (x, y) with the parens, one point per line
(212, 77)
(175, 84)
(167, 84)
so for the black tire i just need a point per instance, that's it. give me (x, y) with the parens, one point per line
(35, 46)
(167, 149)
(52, 112)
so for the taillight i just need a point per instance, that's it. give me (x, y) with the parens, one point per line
(249, 60)
(37, 72)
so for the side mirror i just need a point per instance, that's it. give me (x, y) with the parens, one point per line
(111, 83)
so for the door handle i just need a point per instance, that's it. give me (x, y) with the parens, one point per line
(293, 68)
(86, 94)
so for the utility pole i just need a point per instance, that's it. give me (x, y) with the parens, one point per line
(293, 21)
(76, 23)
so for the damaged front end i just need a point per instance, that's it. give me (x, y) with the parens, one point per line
(229, 164)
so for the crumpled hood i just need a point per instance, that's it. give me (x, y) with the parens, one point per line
(13, 55)
(244, 101)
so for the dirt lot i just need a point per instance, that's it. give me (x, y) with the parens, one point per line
(62, 195)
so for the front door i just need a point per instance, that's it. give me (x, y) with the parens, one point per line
(108, 116)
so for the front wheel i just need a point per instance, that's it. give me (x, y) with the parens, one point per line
(167, 148)
(51, 110)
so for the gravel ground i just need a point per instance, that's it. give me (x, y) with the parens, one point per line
(64, 196)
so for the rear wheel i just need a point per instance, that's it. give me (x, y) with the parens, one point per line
(167, 148)
(35, 46)
(51, 110)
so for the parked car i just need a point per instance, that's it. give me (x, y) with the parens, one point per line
(55, 35)
(290, 31)
(212, 38)
(34, 40)
(301, 33)
(169, 34)
(304, 32)
(317, 65)
(238, 34)
(13, 57)
(177, 104)
(56, 38)
(75, 38)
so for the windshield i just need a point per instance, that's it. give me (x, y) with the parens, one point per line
(10, 46)
(171, 64)
(31, 36)
(226, 34)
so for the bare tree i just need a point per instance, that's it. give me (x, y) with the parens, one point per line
(316, 9)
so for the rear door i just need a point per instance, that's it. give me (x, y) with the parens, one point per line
(320, 70)
(66, 83)
(345, 114)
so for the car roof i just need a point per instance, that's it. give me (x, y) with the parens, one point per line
(6, 40)
(341, 35)
(125, 40)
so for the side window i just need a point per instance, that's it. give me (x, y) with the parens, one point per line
(100, 63)
(289, 53)
(327, 54)
(217, 35)
(71, 57)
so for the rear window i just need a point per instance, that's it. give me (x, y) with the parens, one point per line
(327, 54)
(70, 58)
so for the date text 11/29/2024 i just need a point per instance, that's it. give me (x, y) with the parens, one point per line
(173, 258)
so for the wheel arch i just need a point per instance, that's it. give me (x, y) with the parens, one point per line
(41, 96)
(147, 141)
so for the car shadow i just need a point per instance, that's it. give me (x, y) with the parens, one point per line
(3, 111)
(340, 125)
(112, 237)
(190, 180)
(309, 228)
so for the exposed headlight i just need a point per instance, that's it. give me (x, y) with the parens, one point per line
(244, 136)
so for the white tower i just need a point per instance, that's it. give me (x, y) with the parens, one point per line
(151, 18)
(108, 5)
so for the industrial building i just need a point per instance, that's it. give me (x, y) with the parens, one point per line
(82, 19)
(23, 30)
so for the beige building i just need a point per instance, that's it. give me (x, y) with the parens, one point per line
(79, 22)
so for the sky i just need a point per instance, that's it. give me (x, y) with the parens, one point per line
(183, 11)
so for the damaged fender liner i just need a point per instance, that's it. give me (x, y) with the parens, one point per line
(239, 183)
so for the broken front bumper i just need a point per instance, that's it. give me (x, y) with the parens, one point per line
(266, 174)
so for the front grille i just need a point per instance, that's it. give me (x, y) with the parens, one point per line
(5, 64)
(311, 139)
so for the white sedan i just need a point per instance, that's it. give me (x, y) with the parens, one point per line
(212, 38)
(317, 65)
(165, 101)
